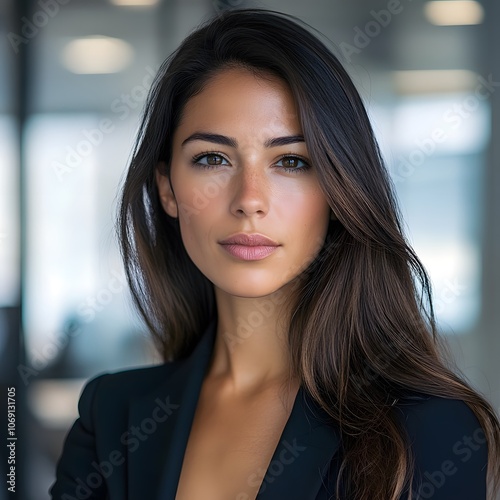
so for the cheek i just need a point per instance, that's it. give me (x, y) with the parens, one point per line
(194, 227)
(199, 195)
(194, 237)
(306, 207)
(199, 210)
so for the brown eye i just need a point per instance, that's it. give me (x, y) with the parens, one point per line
(214, 159)
(208, 160)
(292, 164)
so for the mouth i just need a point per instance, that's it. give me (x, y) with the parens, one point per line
(245, 246)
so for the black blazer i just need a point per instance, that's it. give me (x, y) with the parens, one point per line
(129, 440)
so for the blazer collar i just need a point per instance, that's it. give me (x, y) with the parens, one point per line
(164, 417)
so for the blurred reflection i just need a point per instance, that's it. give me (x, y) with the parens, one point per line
(437, 164)
(9, 213)
(73, 263)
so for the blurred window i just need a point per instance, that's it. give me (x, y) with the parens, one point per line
(437, 164)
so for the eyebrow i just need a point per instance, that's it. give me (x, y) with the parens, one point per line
(233, 143)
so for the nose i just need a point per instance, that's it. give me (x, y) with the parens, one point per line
(249, 192)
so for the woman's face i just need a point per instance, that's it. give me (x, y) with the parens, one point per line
(229, 178)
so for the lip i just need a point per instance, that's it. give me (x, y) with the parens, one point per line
(249, 246)
(249, 240)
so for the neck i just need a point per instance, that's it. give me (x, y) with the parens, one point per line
(251, 350)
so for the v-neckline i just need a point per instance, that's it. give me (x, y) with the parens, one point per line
(253, 474)
(299, 463)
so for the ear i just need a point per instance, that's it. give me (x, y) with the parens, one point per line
(167, 196)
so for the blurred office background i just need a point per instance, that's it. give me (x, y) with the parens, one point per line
(73, 79)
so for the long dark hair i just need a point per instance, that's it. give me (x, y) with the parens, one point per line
(361, 328)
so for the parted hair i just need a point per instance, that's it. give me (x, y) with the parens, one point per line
(361, 328)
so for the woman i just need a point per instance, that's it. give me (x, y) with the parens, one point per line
(263, 248)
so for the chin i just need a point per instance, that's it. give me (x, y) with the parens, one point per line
(249, 290)
(245, 294)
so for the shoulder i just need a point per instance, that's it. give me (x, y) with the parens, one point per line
(448, 445)
(97, 434)
(133, 378)
(432, 414)
(116, 389)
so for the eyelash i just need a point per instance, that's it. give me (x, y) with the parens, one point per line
(296, 170)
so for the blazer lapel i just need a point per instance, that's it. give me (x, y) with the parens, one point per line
(154, 466)
(299, 463)
(302, 458)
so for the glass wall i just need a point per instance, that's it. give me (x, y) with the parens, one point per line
(9, 170)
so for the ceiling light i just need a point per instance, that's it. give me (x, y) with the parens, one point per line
(434, 81)
(454, 12)
(97, 55)
(134, 3)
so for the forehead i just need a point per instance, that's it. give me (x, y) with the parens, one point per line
(239, 99)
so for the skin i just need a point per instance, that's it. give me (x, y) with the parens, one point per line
(241, 410)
